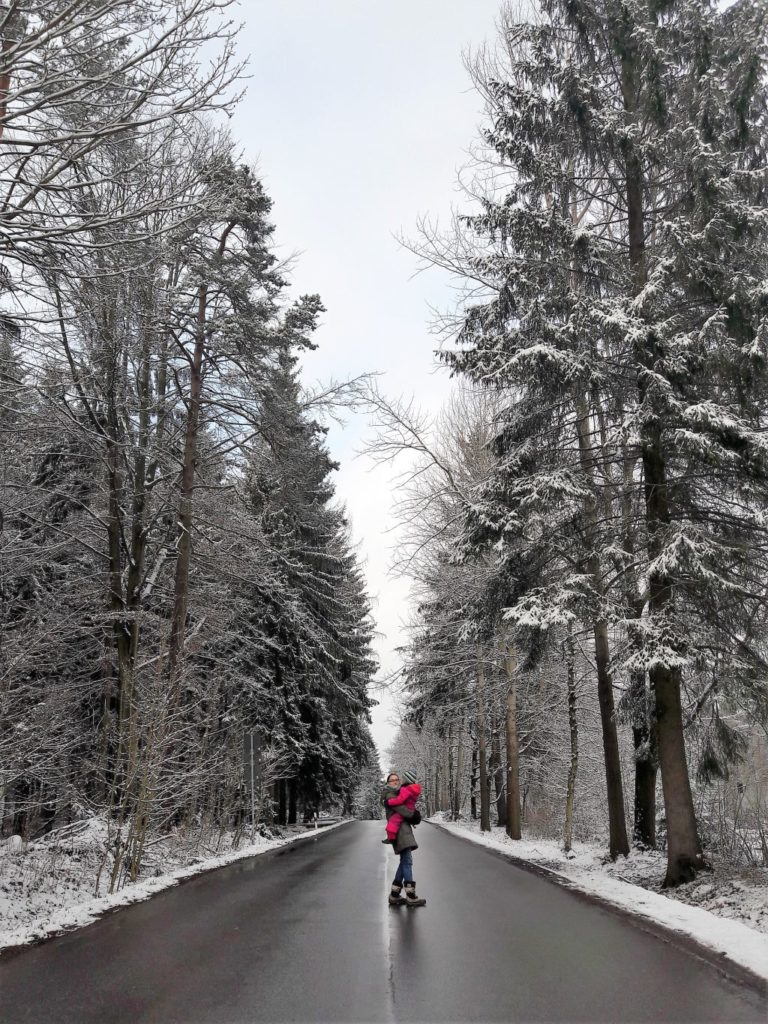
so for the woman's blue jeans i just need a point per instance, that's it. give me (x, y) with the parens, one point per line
(404, 868)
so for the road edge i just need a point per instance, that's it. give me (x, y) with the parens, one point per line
(730, 969)
(8, 952)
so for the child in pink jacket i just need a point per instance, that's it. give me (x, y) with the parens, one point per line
(407, 795)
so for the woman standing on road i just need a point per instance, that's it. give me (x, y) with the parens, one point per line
(405, 844)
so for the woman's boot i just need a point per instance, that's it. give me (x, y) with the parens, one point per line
(411, 899)
(396, 895)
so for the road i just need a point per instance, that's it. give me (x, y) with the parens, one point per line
(304, 934)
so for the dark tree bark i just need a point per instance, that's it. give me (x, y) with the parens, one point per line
(617, 823)
(618, 842)
(644, 832)
(514, 814)
(292, 802)
(498, 774)
(573, 729)
(184, 515)
(456, 805)
(451, 780)
(282, 802)
(473, 784)
(684, 854)
(485, 803)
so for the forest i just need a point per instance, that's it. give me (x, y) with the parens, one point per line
(175, 572)
(586, 518)
(584, 522)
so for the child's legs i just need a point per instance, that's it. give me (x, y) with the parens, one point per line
(393, 825)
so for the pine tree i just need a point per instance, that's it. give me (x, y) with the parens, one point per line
(623, 250)
(681, 120)
(537, 248)
(322, 665)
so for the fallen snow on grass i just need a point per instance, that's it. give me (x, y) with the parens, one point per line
(722, 911)
(48, 888)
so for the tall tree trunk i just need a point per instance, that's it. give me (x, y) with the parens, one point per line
(186, 486)
(498, 773)
(120, 629)
(451, 780)
(282, 802)
(292, 802)
(138, 544)
(456, 808)
(646, 762)
(138, 512)
(617, 825)
(473, 783)
(429, 802)
(485, 808)
(573, 729)
(514, 816)
(684, 852)
(588, 453)
(641, 699)
(445, 793)
(644, 831)
(184, 516)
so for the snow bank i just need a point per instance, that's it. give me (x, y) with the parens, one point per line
(586, 871)
(44, 892)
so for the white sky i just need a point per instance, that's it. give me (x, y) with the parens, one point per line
(359, 115)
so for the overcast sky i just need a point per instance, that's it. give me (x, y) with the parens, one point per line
(359, 114)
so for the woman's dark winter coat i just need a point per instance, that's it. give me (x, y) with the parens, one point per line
(405, 839)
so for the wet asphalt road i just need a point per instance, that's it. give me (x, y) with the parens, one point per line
(305, 934)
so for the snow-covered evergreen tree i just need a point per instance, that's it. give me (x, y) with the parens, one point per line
(618, 256)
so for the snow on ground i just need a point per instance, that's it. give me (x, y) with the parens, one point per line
(50, 886)
(726, 911)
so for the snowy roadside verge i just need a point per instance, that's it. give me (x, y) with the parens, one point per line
(24, 922)
(735, 944)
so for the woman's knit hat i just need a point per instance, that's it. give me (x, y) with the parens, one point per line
(409, 777)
